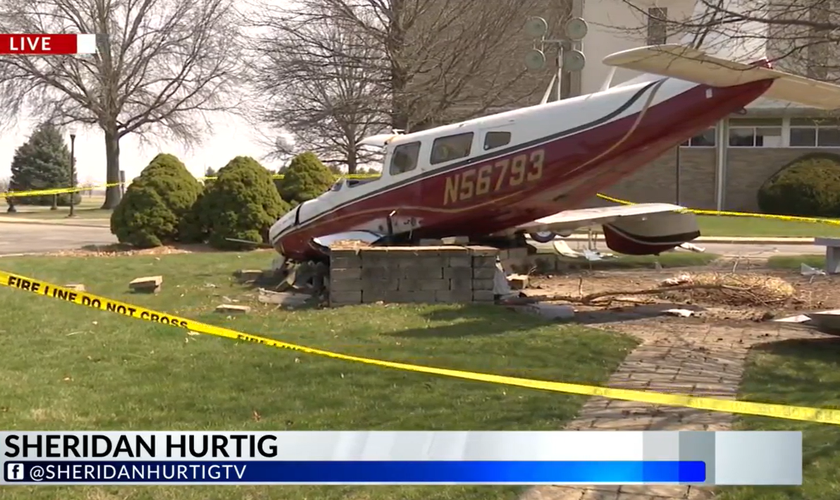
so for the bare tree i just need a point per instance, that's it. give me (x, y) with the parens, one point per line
(312, 86)
(4, 184)
(161, 64)
(800, 36)
(433, 61)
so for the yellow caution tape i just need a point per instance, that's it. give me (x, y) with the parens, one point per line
(827, 416)
(53, 191)
(791, 218)
(46, 192)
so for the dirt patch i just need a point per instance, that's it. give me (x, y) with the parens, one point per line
(120, 250)
(786, 293)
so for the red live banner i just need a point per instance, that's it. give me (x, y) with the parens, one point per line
(47, 44)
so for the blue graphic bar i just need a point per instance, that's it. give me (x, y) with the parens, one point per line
(356, 472)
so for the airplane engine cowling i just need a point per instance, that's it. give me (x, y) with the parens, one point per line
(651, 235)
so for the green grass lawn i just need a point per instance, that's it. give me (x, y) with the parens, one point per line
(793, 262)
(802, 373)
(91, 214)
(714, 225)
(722, 226)
(668, 259)
(88, 208)
(64, 366)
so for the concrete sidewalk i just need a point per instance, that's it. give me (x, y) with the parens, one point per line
(797, 240)
(78, 222)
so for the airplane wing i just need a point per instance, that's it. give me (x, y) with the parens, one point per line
(686, 63)
(569, 220)
(640, 229)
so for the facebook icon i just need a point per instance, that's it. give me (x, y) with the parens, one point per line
(14, 472)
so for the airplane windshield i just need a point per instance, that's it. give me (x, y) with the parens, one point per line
(338, 184)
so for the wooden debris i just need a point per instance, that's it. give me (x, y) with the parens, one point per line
(518, 281)
(246, 275)
(706, 287)
(233, 308)
(147, 284)
(76, 286)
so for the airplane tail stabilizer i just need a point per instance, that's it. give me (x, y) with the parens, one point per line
(694, 65)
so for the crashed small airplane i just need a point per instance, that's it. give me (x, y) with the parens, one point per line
(498, 178)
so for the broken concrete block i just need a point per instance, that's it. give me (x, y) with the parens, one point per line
(455, 240)
(483, 261)
(484, 296)
(453, 297)
(76, 286)
(233, 308)
(146, 284)
(553, 311)
(246, 275)
(345, 298)
(282, 298)
(483, 251)
(483, 284)
(518, 281)
(484, 273)
(345, 273)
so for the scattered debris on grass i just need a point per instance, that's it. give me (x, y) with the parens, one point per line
(233, 308)
(288, 299)
(146, 284)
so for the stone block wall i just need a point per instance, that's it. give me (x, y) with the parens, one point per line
(428, 274)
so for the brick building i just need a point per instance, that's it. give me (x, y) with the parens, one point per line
(720, 169)
(723, 168)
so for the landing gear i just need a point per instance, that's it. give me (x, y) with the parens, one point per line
(543, 236)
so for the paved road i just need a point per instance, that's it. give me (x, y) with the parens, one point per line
(18, 237)
(761, 250)
(754, 250)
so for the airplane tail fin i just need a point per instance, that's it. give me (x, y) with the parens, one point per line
(686, 63)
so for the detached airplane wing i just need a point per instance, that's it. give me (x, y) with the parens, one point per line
(640, 229)
(570, 220)
(692, 65)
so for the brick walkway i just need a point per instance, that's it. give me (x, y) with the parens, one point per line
(680, 356)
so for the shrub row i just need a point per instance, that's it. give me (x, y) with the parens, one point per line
(808, 187)
(166, 204)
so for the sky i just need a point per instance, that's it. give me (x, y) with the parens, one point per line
(231, 137)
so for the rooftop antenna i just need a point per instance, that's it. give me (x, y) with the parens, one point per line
(569, 50)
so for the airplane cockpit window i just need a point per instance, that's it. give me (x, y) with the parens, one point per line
(494, 140)
(338, 184)
(451, 148)
(404, 158)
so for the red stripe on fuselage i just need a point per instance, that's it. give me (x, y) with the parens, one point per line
(569, 176)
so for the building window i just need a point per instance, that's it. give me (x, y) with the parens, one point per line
(657, 28)
(404, 158)
(747, 132)
(494, 140)
(814, 132)
(451, 148)
(706, 139)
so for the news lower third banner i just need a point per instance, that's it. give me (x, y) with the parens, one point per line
(395, 457)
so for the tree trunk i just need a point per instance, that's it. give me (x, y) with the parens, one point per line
(352, 161)
(395, 48)
(112, 160)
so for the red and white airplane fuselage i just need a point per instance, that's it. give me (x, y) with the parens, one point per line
(514, 171)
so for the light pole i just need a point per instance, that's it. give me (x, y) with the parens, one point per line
(72, 169)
